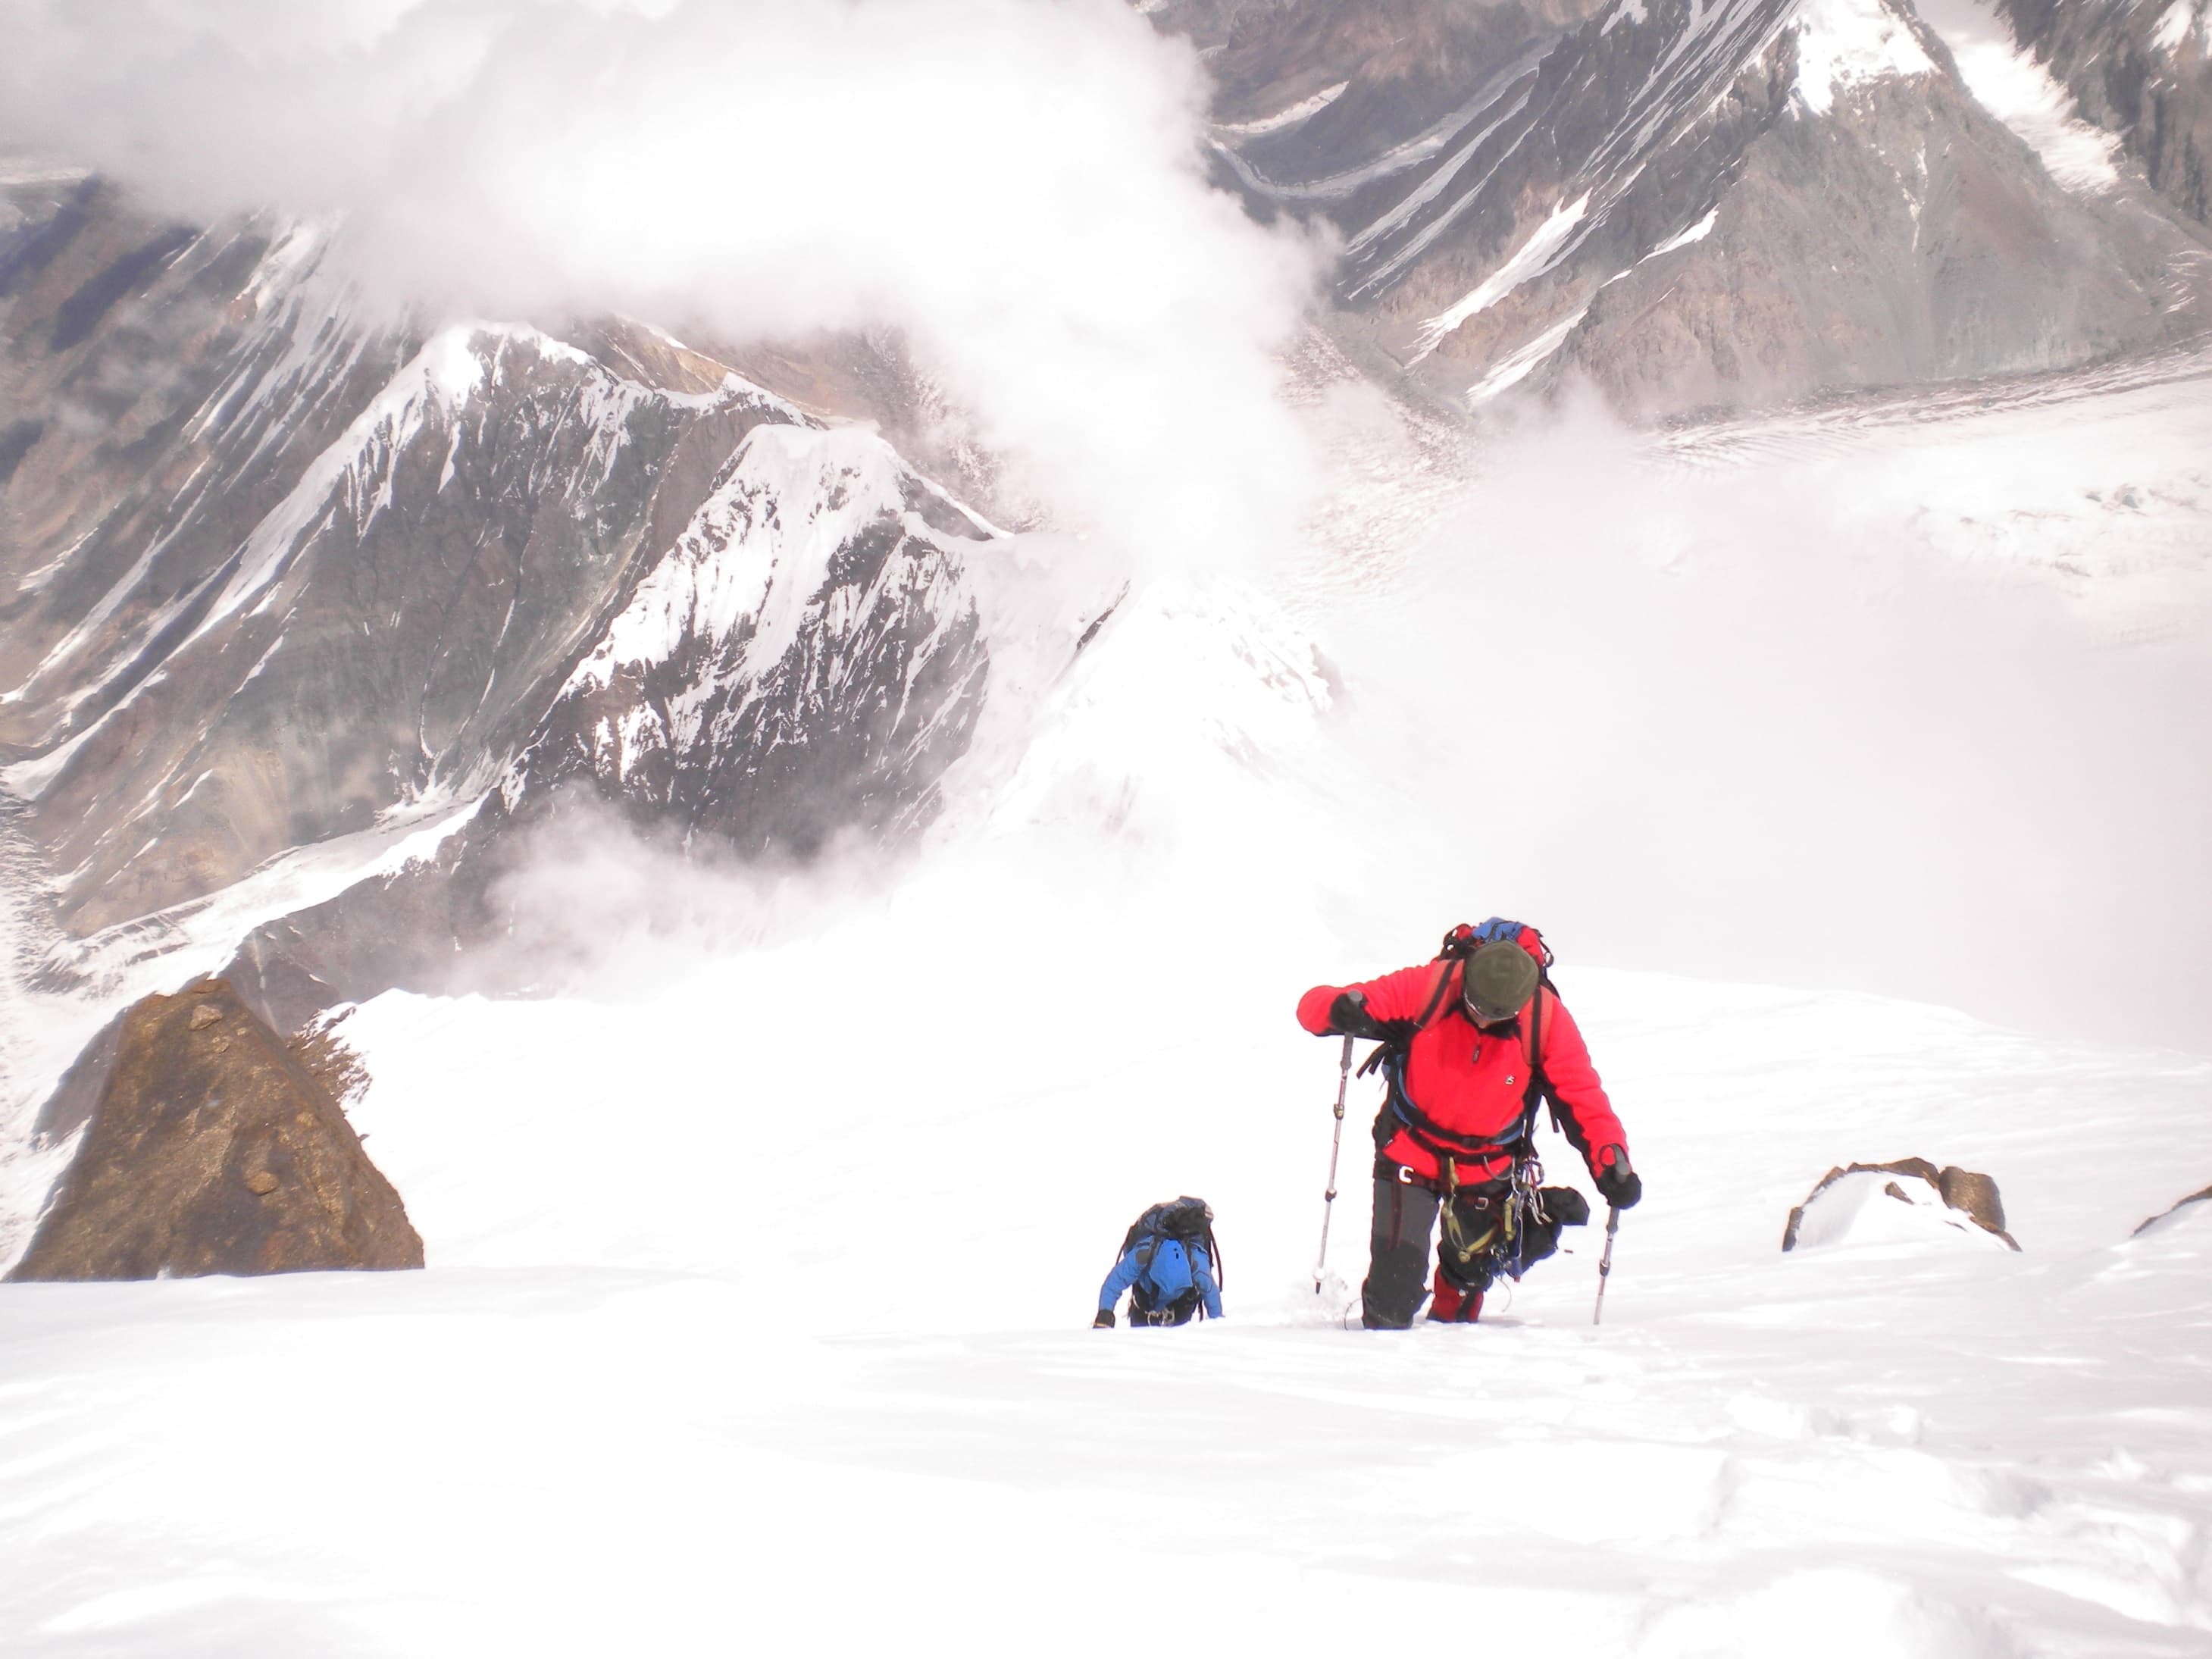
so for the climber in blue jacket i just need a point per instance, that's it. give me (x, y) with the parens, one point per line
(1168, 1265)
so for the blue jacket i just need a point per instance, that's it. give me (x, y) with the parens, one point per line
(1170, 1270)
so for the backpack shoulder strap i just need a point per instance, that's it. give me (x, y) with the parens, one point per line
(1539, 1085)
(1436, 1001)
(1395, 1045)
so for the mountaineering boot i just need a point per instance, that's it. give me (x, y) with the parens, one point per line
(1451, 1305)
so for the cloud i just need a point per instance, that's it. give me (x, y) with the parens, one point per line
(1852, 708)
(591, 902)
(1018, 185)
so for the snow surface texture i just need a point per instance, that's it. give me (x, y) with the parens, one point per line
(751, 1283)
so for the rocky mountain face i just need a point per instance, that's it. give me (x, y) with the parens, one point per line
(209, 1146)
(1683, 203)
(2144, 71)
(271, 578)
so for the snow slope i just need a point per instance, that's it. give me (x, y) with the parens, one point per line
(691, 1356)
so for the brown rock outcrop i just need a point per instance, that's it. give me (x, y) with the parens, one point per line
(1975, 1195)
(2174, 1208)
(214, 1149)
(1972, 1194)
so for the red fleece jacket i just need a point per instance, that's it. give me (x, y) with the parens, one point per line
(1471, 1083)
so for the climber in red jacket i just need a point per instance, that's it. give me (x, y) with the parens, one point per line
(1471, 1043)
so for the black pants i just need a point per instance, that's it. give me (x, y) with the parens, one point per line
(1398, 1242)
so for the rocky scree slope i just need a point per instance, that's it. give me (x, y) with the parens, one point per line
(1685, 203)
(271, 576)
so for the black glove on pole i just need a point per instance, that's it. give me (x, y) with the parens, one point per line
(1605, 1262)
(1618, 1182)
(1104, 1321)
(1335, 1145)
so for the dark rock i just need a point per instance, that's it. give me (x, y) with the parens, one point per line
(1976, 1195)
(2175, 1209)
(81, 311)
(284, 992)
(214, 1149)
(1973, 1195)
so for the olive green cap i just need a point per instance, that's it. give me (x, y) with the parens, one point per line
(1500, 979)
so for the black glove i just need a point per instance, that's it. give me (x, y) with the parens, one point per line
(1620, 1185)
(1104, 1321)
(1348, 1017)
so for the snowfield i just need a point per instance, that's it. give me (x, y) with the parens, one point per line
(695, 1372)
(763, 1254)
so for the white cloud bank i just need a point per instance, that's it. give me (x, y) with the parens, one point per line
(1914, 706)
(1018, 185)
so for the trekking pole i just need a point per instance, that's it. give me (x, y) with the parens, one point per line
(1335, 1145)
(1605, 1261)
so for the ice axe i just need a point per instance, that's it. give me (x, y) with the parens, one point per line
(1335, 1145)
(1605, 1261)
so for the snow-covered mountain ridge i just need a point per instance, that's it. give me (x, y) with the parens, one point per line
(327, 581)
(1687, 204)
(815, 601)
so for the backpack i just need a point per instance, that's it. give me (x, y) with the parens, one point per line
(1462, 941)
(1167, 1276)
(1163, 1237)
